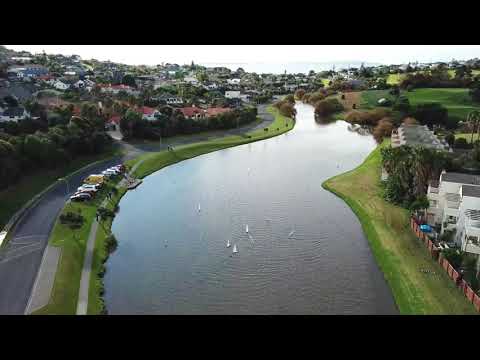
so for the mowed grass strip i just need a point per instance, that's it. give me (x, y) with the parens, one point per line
(458, 101)
(64, 297)
(150, 163)
(397, 251)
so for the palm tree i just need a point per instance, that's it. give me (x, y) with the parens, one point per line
(473, 119)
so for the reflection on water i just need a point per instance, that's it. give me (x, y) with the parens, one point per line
(304, 252)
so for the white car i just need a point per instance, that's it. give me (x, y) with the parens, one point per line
(80, 197)
(115, 170)
(89, 188)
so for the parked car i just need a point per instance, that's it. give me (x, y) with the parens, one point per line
(88, 188)
(86, 191)
(81, 197)
(91, 186)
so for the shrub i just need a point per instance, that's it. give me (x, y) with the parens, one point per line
(383, 129)
(327, 107)
(462, 143)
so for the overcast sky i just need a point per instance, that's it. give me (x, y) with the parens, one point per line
(203, 54)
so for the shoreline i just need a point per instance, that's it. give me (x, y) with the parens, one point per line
(396, 251)
(143, 166)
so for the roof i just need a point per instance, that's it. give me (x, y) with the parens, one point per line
(472, 191)
(14, 111)
(148, 110)
(461, 178)
(191, 111)
(115, 119)
(215, 111)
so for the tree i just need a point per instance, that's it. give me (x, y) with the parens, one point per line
(129, 80)
(431, 114)
(10, 101)
(450, 138)
(402, 104)
(473, 119)
(475, 91)
(299, 94)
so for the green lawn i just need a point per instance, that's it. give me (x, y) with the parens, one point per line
(457, 101)
(397, 251)
(395, 79)
(73, 244)
(153, 162)
(14, 197)
(369, 98)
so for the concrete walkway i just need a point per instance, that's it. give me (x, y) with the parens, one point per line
(82, 305)
(43, 286)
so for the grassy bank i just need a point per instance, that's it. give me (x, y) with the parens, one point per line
(150, 163)
(14, 197)
(67, 280)
(64, 298)
(398, 253)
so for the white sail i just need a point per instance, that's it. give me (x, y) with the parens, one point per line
(246, 228)
(198, 207)
(235, 248)
(228, 243)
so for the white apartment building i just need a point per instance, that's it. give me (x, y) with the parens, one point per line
(455, 205)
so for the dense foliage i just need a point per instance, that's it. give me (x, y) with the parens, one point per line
(327, 107)
(171, 122)
(46, 148)
(410, 169)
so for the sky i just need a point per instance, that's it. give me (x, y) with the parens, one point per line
(275, 54)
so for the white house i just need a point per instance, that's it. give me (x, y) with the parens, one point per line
(413, 135)
(233, 81)
(61, 85)
(190, 80)
(13, 114)
(232, 94)
(455, 206)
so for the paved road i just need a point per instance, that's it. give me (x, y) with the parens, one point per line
(20, 259)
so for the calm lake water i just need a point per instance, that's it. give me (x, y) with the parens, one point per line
(305, 252)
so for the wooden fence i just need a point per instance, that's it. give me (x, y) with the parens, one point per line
(452, 273)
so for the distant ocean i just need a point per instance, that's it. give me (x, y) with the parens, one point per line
(290, 68)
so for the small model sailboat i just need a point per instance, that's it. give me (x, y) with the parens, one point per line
(235, 249)
(228, 243)
(199, 207)
(246, 228)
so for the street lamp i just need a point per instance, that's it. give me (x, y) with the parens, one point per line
(66, 181)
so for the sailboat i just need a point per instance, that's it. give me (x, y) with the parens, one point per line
(235, 249)
(292, 232)
(246, 228)
(198, 207)
(228, 243)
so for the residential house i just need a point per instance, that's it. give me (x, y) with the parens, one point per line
(168, 99)
(233, 81)
(214, 111)
(413, 135)
(13, 114)
(193, 112)
(149, 113)
(455, 206)
(232, 94)
(115, 89)
(60, 85)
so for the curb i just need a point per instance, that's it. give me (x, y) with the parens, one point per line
(32, 202)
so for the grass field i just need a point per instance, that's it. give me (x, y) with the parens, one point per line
(14, 197)
(399, 254)
(369, 98)
(395, 79)
(457, 101)
(73, 244)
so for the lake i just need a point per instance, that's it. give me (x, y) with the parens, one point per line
(305, 252)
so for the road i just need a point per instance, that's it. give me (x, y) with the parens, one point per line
(21, 257)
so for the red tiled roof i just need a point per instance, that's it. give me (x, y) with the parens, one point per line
(148, 110)
(115, 119)
(215, 111)
(191, 111)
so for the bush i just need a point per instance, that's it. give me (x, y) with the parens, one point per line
(383, 129)
(462, 143)
(327, 107)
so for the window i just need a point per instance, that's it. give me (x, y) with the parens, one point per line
(472, 239)
(452, 219)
